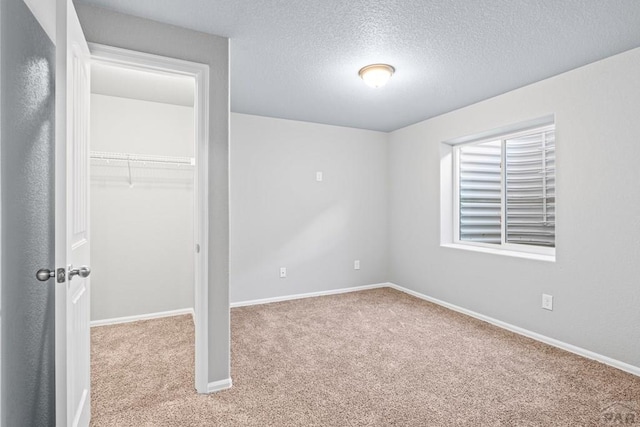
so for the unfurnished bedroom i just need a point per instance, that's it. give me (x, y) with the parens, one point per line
(362, 213)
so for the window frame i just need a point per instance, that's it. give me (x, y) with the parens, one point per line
(455, 168)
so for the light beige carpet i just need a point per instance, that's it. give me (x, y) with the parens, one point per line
(372, 358)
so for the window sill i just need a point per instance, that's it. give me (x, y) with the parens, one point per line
(503, 252)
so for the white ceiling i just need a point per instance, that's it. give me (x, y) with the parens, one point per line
(142, 85)
(300, 59)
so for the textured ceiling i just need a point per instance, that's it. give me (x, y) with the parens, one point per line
(299, 59)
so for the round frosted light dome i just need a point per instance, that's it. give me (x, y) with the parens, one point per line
(376, 75)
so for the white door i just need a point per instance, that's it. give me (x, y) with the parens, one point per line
(72, 219)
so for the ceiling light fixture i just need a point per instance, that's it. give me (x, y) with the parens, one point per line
(376, 75)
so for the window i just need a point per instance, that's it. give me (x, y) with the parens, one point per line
(504, 191)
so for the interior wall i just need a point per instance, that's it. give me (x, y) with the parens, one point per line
(143, 35)
(142, 238)
(594, 280)
(27, 152)
(282, 217)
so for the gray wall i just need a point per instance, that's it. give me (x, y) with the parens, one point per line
(282, 217)
(128, 32)
(27, 150)
(594, 280)
(145, 229)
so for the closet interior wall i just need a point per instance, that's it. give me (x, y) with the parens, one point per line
(142, 213)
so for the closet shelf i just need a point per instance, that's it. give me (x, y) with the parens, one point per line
(142, 158)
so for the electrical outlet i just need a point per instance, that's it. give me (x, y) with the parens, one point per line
(547, 302)
(319, 176)
(356, 264)
(283, 272)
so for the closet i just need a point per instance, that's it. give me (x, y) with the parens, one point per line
(142, 194)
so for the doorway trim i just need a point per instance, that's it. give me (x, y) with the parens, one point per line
(200, 72)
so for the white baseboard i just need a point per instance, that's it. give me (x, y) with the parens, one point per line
(307, 295)
(147, 316)
(219, 385)
(635, 370)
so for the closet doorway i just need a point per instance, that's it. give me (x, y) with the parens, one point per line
(149, 186)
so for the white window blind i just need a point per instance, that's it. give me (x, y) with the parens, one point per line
(481, 192)
(530, 189)
(512, 178)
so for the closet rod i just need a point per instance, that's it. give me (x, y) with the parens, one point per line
(143, 158)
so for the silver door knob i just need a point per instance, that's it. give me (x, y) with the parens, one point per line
(83, 272)
(45, 274)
